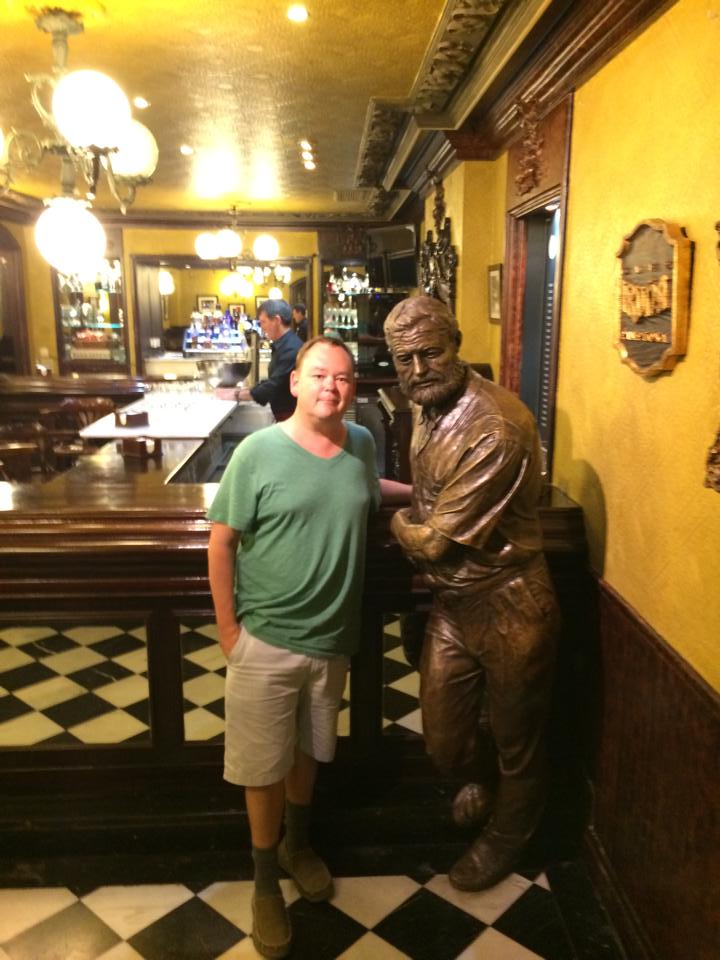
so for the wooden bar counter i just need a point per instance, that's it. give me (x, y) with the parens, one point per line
(110, 542)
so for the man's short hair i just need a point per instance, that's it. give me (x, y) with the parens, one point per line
(301, 308)
(277, 308)
(412, 310)
(314, 341)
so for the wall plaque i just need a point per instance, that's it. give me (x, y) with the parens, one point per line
(655, 263)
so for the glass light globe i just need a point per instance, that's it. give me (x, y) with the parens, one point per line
(275, 293)
(258, 276)
(229, 243)
(69, 236)
(90, 109)
(266, 247)
(2, 146)
(206, 246)
(137, 155)
(166, 283)
(245, 289)
(229, 284)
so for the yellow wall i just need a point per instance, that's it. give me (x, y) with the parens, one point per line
(39, 304)
(475, 203)
(646, 142)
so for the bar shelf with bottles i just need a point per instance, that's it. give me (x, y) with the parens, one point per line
(91, 332)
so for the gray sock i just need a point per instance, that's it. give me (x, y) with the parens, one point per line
(297, 826)
(267, 870)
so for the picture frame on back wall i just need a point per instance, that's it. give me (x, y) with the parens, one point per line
(207, 303)
(236, 309)
(495, 292)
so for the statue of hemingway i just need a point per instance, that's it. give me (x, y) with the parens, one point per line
(487, 659)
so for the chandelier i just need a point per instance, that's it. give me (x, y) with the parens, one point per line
(91, 130)
(347, 284)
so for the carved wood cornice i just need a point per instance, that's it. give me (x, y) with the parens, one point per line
(562, 48)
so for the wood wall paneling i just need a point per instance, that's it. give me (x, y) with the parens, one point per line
(655, 837)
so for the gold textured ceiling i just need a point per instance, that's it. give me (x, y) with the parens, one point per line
(236, 77)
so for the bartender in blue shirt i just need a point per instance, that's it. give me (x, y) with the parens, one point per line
(275, 318)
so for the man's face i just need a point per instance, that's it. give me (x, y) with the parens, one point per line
(297, 316)
(325, 383)
(271, 326)
(425, 358)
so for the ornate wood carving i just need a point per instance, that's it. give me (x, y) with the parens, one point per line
(438, 257)
(531, 150)
(342, 244)
(712, 478)
(465, 26)
(382, 125)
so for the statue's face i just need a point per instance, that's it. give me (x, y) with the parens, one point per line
(425, 358)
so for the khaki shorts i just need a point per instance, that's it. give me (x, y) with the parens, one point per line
(275, 701)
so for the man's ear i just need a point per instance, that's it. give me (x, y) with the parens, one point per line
(293, 382)
(458, 339)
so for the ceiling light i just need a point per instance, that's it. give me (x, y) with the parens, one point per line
(90, 109)
(206, 246)
(275, 293)
(297, 13)
(245, 288)
(307, 155)
(141, 103)
(69, 237)
(166, 283)
(305, 145)
(309, 164)
(137, 154)
(229, 244)
(266, 247)
(186, 150)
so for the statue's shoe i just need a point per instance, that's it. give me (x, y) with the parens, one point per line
(311, 876)
(487, 861)
(472, 805)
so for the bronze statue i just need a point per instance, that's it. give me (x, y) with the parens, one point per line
(489, 646)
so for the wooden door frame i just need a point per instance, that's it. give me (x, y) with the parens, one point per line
(11, 250)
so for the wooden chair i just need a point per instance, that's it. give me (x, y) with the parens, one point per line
(62, 425)
(16, 461)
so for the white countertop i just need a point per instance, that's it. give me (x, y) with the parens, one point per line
(172, 416)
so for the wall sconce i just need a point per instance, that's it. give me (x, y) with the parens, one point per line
(91, 131)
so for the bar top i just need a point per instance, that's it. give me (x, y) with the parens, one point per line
(172, 416)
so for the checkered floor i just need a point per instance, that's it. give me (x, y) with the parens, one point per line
(88, 684)
(369, 918)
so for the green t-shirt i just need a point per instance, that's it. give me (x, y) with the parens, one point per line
(303, 521)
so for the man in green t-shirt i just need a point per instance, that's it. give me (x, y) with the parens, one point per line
(286, 561)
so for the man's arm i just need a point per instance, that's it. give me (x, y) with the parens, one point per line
(277, 380)
(418, 540)
(392, 491)
(221, 567)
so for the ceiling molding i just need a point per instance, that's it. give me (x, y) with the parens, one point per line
(567, 45)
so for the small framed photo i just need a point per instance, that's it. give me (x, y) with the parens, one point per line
(259, 301)
(207, 303)
(236, 309)
(495, 292)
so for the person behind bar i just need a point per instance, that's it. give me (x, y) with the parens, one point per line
(300, 321)
(286, 563)
(275, 317)
(473, 530)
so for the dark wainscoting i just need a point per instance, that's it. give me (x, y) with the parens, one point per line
(654, 845)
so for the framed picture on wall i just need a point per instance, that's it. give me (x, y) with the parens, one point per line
(495, 292)
(259, 301)
(236, 309)
(207, 303)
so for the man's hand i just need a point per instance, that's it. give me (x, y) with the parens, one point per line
(419, 541)
(228, 638)
(232, 393)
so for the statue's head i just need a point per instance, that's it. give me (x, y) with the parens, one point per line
(424, 340)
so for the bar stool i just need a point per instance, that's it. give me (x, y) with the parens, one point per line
(63, 423)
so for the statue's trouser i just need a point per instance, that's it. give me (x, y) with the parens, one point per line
(498, 643)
